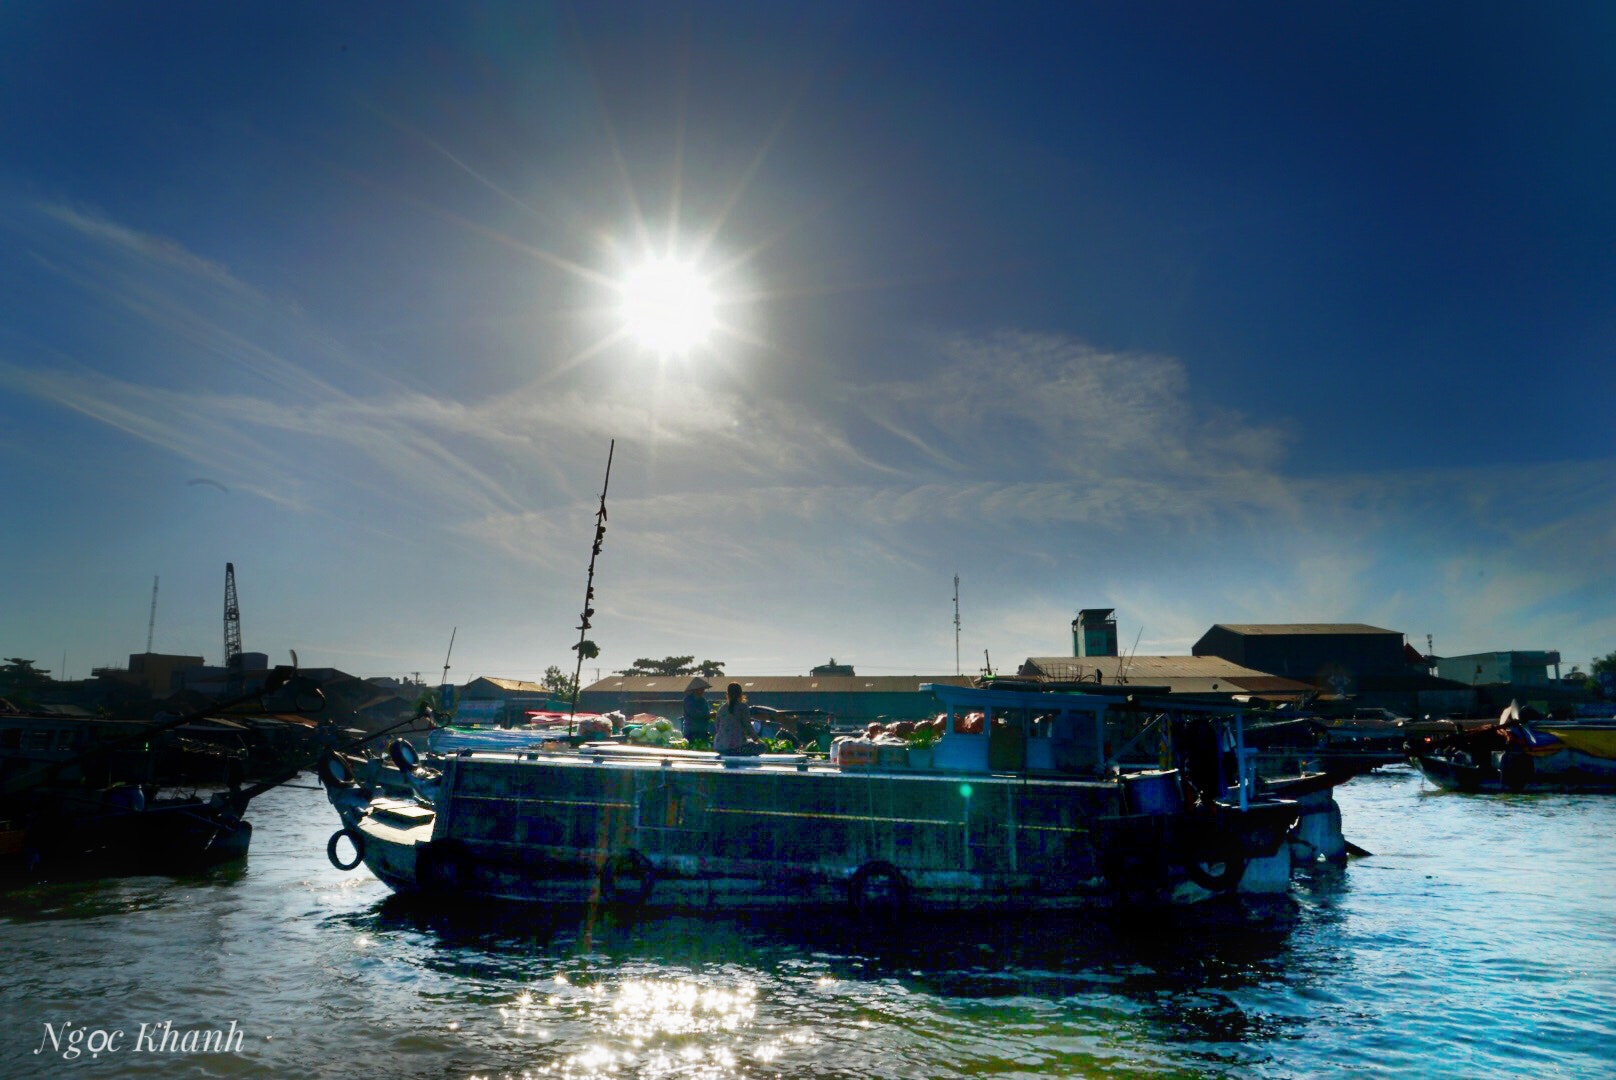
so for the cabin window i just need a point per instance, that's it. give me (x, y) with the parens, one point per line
(39, 740)
(11, 739)
(972, 723)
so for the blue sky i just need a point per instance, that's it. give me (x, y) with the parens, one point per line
(1208, 313)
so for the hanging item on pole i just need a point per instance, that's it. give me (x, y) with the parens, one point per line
(586, 649)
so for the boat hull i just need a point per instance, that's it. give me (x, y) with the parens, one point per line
(1515, 772)
(700, 833)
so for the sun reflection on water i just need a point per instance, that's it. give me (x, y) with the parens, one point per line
(645, 1007)
(646, 1026)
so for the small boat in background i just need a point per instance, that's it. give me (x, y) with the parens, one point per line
(62, 803)
(1522, 751)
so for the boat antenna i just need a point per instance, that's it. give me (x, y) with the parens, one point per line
(956, 625)
(444, 681)
(151, 624)
(584, 644)
(1128, 663)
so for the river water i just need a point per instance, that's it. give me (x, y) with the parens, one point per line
(1478, 940)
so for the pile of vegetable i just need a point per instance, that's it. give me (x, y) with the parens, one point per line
(593, 728)
(660, 733)
(916, 733)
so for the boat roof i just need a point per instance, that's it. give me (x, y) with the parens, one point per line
(674, 686)
(1066, 701)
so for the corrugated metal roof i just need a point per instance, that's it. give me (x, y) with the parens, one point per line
(828, 684)
(1263, 629)
(513, 684)
(1144, 668)
(1183, 674)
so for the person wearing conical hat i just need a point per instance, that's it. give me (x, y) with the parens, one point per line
(698, 715)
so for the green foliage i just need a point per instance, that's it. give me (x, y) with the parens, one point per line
(18, 672)
(1605, 665)
(675, 665)
(19, 678)
(587, 649)
(560, 685)
(922, 739)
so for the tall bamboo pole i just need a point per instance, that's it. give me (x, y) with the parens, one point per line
(589, 589)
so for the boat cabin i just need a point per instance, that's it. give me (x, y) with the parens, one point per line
(1089, 735)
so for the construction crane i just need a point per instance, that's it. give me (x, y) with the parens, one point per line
(232, 631)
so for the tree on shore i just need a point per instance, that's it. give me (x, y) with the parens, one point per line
(1603, 681)
(675, 665)
(560, 685)
(19, 679)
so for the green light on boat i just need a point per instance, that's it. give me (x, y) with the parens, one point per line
(965, 791)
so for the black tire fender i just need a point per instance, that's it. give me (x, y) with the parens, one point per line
(332, 771)
(878, 889)
(618, 872)
(354, 836)
(1218, 867)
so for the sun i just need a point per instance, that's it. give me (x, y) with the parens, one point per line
(667, 307)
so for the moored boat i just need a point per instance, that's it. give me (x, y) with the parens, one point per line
(1028, 800)
(1522, 752)
(63, 808)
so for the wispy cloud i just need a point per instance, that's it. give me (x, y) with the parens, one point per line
(145, 246)
(1050, 473)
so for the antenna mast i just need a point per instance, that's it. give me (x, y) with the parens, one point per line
(151, 623)
(444, 681)
(232, 632)
(584, 644)
(956, 625)
(1128, 663)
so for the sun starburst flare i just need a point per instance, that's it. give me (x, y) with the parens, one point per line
(667, 306)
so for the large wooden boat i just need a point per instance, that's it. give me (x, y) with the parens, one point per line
(1026, 802)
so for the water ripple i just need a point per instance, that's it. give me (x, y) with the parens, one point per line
(1476, 941)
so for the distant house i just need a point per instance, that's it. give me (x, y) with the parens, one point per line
(853, 700)
(490, 700)
(1371, 665)
(1328, 655)
(1512, 668)
(158, 673)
